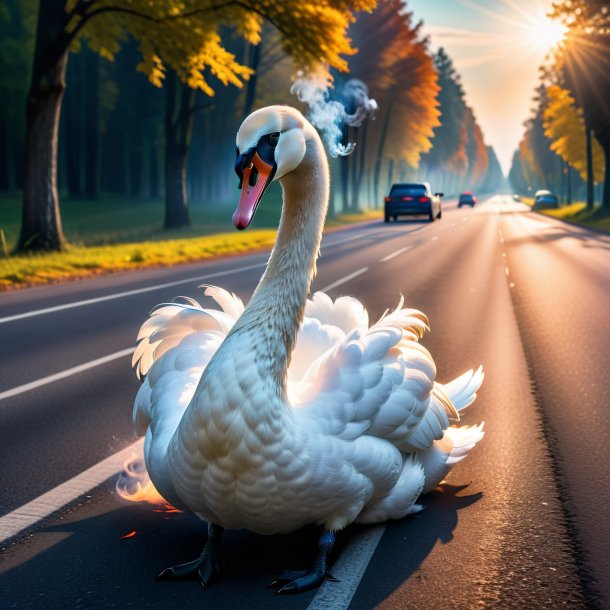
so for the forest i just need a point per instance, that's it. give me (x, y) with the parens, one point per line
(565, 147)
(140, 101)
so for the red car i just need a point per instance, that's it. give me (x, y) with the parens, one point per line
(467, 198)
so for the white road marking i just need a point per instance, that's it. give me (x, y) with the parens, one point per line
(32, 385)
(344, 241)
(127, 293)
(118, 295)
(50, 502)
(348, 569)
(345, 279)
(391, 256)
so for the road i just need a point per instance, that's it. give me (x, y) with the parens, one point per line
(522, 523)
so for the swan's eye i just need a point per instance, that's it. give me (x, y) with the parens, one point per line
(274, 138)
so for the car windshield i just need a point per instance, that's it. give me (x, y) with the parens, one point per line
(402, 190)
(548, 199)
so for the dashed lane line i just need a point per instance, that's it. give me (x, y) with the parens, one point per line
(385, 259)
(126, 293)
(344, 279)
(32, 385)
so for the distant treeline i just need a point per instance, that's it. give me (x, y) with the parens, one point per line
(566, 144)
(118, 131)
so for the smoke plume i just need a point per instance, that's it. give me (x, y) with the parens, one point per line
(330, 116)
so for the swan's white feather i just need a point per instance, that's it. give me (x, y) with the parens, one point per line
(294, 411)
(364, 398)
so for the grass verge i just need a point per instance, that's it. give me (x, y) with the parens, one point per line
(577, 214)
(79, 262)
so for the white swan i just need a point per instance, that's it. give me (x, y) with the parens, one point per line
(292, 411)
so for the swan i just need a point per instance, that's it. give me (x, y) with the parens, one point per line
(292, 411)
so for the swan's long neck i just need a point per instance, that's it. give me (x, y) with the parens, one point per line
(275, 311)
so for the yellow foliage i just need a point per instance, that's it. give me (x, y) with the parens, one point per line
(184, 35)
(565, 127)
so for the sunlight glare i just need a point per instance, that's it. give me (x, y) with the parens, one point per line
(545, 34)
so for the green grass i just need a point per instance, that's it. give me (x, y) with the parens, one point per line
(115, 235)
(576, 213)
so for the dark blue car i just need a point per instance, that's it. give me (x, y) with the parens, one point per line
(410, 199)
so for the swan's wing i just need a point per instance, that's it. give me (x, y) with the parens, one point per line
(169, 323)
(377, 381)
(174, 346)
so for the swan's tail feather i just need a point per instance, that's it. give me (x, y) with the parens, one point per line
(455, 445)
(462, 391)
(464, 439)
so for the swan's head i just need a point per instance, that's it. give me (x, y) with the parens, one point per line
(271, 143)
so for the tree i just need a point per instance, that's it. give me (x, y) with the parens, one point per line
(17, 26)
(458, 157)
(177, 34)
(570, 139)
(393, 59)
(584, 62)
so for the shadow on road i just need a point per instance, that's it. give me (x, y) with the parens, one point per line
(406, 544)
(84, 561)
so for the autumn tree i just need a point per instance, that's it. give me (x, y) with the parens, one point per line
(179, 35)
(458, 157)
(536, 165)
(584, 62)
(394, 62)
(565, 127)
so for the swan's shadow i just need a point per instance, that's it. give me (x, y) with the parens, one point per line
(83, 561)
(406, 544)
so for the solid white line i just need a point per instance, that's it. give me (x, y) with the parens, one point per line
(385, 259)
(43, 506)
(118, 295)
(345, 279)
(348, 569)
(32, 385)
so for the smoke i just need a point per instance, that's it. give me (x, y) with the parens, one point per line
(356, 94)
(329, 116)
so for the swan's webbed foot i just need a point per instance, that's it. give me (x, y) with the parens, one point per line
(206, 567)
(298, 582)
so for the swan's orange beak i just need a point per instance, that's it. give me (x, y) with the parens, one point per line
(254, 181)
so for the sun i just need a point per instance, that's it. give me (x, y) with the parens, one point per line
(544, 34)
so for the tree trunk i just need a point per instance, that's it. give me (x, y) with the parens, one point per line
(71, 132)
(91, 127)
(589, 143)
(380, 150)
(603, 137)
(178, 128)
(41, 223)
(358, 169)
(254, 59)
(344, 162)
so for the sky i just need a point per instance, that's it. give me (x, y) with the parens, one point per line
(497, 46)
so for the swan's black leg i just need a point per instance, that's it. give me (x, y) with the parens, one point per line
(206, 567)
(315, 576)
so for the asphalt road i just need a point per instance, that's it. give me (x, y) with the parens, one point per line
(522, 523)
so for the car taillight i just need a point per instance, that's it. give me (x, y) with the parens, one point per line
(424, 199)
(407, 198)
(388, 199)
